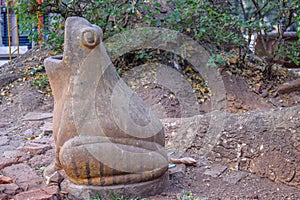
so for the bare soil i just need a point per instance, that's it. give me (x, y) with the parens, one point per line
(216, 175)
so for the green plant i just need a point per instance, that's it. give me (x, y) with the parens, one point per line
(114, 197)
(187, 195)
(112, 16)
(38, 78)
(298, 27)
(225, 25)
(218, 25)
(262, 17)
(212, 24)
(97, 197)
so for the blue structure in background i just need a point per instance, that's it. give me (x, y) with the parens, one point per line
(23, 39)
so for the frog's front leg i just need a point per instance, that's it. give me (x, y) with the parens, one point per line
(103, 161)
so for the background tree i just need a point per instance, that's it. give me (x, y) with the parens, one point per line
(219, 25)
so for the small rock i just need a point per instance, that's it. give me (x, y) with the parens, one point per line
(289, 87)
(47, 128)
(35, 148)
(3, 133)
(46, 193)
(24, 176)
(265, 93)
(10, 189)
(40, 161)
(19, 156)
(28, 133)
(4, 140)
(4, 162)
(215, 170)
(35, 116)
(234, 177)
(178, 171)
(55, 178)
(163, 10)
(4, 197)
(10, 153)
(5, 180)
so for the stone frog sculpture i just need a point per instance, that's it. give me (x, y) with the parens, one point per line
(104, 134)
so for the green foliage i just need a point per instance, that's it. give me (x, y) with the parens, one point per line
(186, 195)
(218, 25)
(211, 24)
(114, 197)
(112, 16)
(38, 79)
(298, 27)
(225, 25)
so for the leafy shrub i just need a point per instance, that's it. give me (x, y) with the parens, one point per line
(219, 25)
(212, 23)
(112, 16)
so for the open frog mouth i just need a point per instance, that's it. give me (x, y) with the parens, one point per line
(58, 57)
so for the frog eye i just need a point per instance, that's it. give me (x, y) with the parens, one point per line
(91, 36)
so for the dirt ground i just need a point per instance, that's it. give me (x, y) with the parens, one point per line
(208, 179)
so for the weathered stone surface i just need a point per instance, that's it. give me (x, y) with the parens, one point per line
(47, 128)
(35, 116)
(15, 154)
(35, 148)
(5, 180)
(23, 176)
(265, 143)
(45, 193)
(143, 189)
(289, 87)
(4, 140)
(178, 171)
(55, 178)
(28, 133)
(41, 160)
(234, 176)
(104, 133)
(215, 170)
(10, 189)
(8, 78)
(3, 133)
(10, 157)
(4, 162)
(4, 197)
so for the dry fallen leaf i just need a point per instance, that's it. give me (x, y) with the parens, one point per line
(185, 160)
(30, 138)
(138, 14)
(5, 180)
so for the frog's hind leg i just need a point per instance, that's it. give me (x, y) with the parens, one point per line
(103, 161)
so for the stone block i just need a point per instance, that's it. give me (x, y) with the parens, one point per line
(5, 180)
(47, 128)
(46, 193)
(24, 176)
(36, 116)
(215, 170)
(178, 171)
(4, 197)
(142, 189)
(35, 148)
(9, 189)
(4, 140)
(4, 162)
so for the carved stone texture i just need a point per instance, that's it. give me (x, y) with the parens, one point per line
(105, 135)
